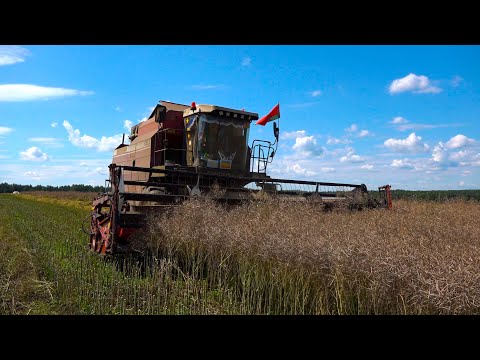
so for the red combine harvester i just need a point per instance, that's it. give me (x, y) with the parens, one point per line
(185, 151)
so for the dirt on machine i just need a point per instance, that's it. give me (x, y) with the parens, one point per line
(191, 151)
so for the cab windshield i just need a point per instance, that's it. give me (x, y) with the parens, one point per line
(222, 142)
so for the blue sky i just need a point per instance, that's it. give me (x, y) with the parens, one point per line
(401, 115)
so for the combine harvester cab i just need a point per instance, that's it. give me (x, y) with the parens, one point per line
(185, 151)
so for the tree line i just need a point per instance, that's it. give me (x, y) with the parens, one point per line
(10, 188)
(436, 195)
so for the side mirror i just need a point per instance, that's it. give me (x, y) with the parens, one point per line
(276, 130)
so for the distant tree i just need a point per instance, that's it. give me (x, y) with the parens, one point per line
(9, 188)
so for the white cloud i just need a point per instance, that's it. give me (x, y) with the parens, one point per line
(43, 139)
(414, 83)
(316, 93)
(101, 170)
(336, 141)
(58, 171)
(412, 126)
(246, 61)
(412, 144)
(367, 166)
(456, 80)
(287, 135)
(33, 175)
(12, 54)
(351, 156)
(399, 120)
(118, 108)
(28, 92)
(402, 164)
(443, 157)
(466, 173)
(143, 119)
(327, 169)
(299, 170)
(364, 133)
(459, 155)
(461, 183)
(86, 141)
(352, 128)
(48, 141)
(307, 146)
(53, 124)
(458, 141)
(33, 154)
(127, 124)
(5, 130)
(440, 153)
(206, 87)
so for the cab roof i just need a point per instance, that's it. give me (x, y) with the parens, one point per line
(221, 111)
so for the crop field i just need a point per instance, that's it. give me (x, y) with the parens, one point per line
(269, 257)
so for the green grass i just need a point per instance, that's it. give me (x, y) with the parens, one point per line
(68, 279)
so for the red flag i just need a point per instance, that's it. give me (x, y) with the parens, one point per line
(274, 114)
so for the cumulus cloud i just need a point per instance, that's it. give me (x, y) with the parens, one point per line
(12, 54)
(351, 157)
(364, 133)
(367, 166)
(316, 93)
(327, 169)
(399, 120)
(461, 183)
(299, 170)
(287, 135)
(5, 130)
(28, 92)
(127, 124)
(459, 141)
(54, 124)
(307, 146)
(352, 128)
(466, 173)
(246, 61)
(440, 153)
(336, 141)
(413, 83)
(89, 142)
(460, 155)
(33, 154)
(412, 144)
(402, 164)
(443, 156)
